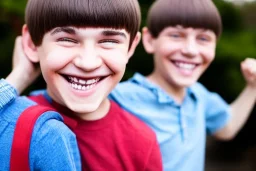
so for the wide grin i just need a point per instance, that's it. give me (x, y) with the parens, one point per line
(185, 66)
(83, 84)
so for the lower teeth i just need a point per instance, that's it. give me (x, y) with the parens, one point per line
(80, 87)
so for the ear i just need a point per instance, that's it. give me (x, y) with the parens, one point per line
(29, 47)
(147, 40)
(134, 44)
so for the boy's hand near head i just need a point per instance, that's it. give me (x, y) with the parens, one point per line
(248, 68)
(24, 71)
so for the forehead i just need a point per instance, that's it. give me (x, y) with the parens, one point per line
(188, 29)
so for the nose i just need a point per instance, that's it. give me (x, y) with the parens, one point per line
(88, 59)
(190, 48)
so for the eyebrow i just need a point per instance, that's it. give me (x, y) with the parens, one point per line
(68, 30)
(113, 33)
(72, 31)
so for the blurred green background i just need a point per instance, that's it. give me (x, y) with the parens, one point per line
(238, 41)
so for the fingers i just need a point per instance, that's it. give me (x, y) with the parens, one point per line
(248, 67)
(18, 54)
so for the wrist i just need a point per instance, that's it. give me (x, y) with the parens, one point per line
(17, 79)
(251, 90)
(8, 94)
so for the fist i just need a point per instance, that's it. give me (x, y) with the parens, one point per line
(248, 67)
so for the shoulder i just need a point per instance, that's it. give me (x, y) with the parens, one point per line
(49, 121)
(13, 110)
(127, 88)
(134, 126)
(135, 89)
(135, 84)
(204, 94)
(199, 89)
(53, 144)
(50, 125)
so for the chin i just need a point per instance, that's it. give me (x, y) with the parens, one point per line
(185, 83)
(84, 108)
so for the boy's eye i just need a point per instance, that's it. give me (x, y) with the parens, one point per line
(109, 42)
(204, 38)
(65, 39)
(175, 35)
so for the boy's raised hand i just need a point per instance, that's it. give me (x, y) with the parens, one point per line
(248, 67)
(24, 72)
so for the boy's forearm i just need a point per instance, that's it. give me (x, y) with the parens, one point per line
(240, 111)
(18, 80)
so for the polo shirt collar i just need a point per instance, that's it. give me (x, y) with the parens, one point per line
(162, 96)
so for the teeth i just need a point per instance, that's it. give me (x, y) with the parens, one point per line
(185, 65)
(80, 87)
(83, 88)
(84, 82)
(90, 81)
(81, 84)
(75, 79)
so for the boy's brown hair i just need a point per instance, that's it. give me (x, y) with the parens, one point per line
(44, 15)
(187, 13)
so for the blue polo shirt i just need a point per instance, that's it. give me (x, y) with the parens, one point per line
(181, 128)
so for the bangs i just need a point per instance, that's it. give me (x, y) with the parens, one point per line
(117, 14)
(187, 13)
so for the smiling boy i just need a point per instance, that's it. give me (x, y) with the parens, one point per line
(182, 36)
(83, 47)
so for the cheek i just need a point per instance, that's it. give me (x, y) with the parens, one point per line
(116, 60)
(166, 48)
(209, 55)
(57, 59)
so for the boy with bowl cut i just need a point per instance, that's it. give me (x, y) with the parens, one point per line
(182, 35)
(83, 47)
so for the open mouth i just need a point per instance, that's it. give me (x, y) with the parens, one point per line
(185, 65)
(83, 84)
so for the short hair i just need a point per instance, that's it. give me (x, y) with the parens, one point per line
(43, 15)
(187, 13)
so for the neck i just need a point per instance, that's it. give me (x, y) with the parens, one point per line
(176, 92)
(100, 113)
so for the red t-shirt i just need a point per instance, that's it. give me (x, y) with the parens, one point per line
(117, 142)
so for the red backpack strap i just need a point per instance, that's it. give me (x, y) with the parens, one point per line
(40, 99)
(22, 137)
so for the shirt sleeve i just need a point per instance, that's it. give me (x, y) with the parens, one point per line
(217, 113)
(154, 162)
(53, 146)
(7, 92)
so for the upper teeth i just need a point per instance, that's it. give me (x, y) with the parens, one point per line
(185, 65)
(84, 82)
